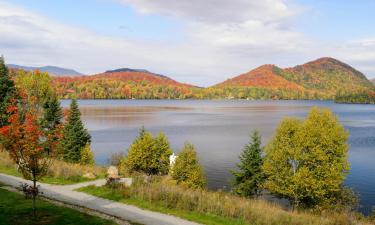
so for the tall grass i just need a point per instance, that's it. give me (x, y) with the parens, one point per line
(163, 193)
(60, 172)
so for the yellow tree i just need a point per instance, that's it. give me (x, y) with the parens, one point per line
(307, 161)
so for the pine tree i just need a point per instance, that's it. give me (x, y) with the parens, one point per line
(7, 92)
(52, 113)
(75, 136)
(249, 178)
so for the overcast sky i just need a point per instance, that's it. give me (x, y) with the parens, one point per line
(195, 41)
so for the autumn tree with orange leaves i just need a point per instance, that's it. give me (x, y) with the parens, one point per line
(30, 146)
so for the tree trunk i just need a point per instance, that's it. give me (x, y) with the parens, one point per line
(34, 195)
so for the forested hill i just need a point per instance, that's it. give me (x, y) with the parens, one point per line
(122, 83)
(323, 78)
(319, 79)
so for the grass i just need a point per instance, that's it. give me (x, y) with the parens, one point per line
(203, 218)
(215, 208)
(16, 210)
(60, 172)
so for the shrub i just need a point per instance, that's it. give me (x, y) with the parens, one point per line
(187, 170)
(115, 158)
(87, 156)
(147, 154)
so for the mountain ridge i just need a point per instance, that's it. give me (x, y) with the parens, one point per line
(322, 78)
(53, 70)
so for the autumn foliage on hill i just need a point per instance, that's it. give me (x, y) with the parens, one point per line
(140, 85)
(328, 75)
(319, 79)
(263, 77)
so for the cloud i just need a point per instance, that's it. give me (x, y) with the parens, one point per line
(216, 11)
(220, 39)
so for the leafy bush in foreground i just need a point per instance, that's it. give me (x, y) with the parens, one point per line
(187, 170)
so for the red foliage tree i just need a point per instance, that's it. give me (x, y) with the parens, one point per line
(29, 146)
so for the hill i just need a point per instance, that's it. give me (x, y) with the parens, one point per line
(53, 70)
(265, 76)
(373, 81)
(319, 79)
(122, 84)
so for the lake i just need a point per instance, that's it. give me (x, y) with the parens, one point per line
(220, 129)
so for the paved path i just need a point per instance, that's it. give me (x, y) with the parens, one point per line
(66, 194)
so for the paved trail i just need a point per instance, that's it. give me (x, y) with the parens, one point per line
(66, 194)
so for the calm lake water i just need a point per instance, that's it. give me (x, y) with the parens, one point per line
(220, 129)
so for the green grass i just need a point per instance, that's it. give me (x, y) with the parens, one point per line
(116, 195)
(16, 210)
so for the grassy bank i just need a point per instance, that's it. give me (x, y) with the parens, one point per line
(16, 210)
(59, 173)
(214, 208)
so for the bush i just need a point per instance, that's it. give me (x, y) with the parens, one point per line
(115, 158)
(187, 169)
(87, 156)
(148, 154)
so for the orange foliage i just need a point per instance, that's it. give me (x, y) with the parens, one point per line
(26, 142)
(121, 85)
(263, 77)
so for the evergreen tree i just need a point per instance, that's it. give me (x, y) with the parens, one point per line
(52, 113)
(187, 170)
(249, 177)
(307, 161)
(7, 92)
(75, 136)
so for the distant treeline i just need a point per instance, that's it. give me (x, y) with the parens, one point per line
(356, 98)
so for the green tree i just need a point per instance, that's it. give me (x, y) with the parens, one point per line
(75, 136)
(307, 161)
(249, 178)
(37, 87)
(52, 113)
(187, 170)
(7, 92)
(148, 154)
(87, 156)
(164, 151)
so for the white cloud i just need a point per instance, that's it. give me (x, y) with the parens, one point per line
(216, 11)
(221, 39)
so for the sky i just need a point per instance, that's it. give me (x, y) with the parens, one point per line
(201, 42)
